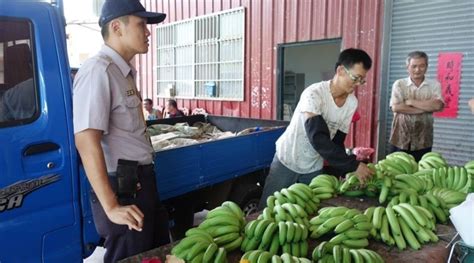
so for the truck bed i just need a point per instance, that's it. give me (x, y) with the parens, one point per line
(189, 168)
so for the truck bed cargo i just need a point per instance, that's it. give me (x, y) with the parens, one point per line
(188, 168)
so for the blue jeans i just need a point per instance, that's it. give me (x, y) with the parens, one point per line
(280, 177)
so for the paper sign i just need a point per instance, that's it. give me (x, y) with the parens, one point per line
(449, 75)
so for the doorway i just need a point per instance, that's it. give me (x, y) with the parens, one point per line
(300, 65)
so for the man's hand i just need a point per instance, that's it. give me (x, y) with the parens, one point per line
(129, 215)
(92, 155)
(364, 173)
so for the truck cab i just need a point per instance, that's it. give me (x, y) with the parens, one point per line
(45, 213)
(41, 218)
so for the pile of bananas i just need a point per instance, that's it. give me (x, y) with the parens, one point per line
(450, 197)
(435, 205)
(350, 226)
(403, 223)
(353, 188)
(454, 178)
(432, 160)
(470, 167)
(326, 252)
(397, 163)
(409, 183)
(291, 213)
(261, 256)
(299, 194)
(225, 224)
(219, 233)
(325, 186)
(351, 183)
(268, 235)
(199, 246)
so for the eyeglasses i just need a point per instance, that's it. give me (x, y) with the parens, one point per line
(355, 79)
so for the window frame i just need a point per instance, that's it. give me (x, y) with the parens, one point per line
(198, 84)
(32, 41)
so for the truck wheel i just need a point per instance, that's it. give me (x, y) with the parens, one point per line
(247, 197)
(251, 207)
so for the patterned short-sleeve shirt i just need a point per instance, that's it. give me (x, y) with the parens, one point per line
(413, 131)
(293, 148)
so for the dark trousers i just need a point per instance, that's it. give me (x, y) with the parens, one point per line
(120, 242)
(280, 177)
(417, 154)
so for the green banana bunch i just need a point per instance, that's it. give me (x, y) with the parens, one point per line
(225, 225)
(214, 254)
(297, 249)
(350, 183)
(325, 252)
(352, 186)
(403, 162)
(386, 185)
(270, 236)
(394, 165)
(292, 213)
(454, 178)
(432, 160)
(436, 206)
(450, 197)
(193, 246)
(349, 226)
(405, 182)
(260, 256)
(229, 213)
(470, 169)
(198, 251)
(254, 232)
(297, 194)
(404, 224)
(324, 186)
(469, 166)
(423, 203)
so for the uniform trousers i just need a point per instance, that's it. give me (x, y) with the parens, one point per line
(119, 241)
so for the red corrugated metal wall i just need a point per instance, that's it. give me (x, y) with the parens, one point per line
(269, 23)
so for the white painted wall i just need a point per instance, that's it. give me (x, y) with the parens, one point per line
(315, 61)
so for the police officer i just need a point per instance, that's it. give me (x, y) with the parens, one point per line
(110, 135)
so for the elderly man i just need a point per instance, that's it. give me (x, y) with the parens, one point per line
(413, 101)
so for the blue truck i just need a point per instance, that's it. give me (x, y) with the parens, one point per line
(44, 194)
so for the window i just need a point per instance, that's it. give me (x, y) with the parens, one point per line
(300, 65)
(18, 101)
(203, 57)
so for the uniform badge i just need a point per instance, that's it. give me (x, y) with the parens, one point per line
(130, 92)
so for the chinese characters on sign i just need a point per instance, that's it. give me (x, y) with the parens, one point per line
(449, 75)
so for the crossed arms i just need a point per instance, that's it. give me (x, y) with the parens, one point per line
(418, 106)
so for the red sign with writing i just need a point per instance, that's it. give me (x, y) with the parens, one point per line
(449, 75)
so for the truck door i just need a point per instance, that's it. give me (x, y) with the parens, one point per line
(39, 208)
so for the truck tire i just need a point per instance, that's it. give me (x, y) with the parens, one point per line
(247, 196)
